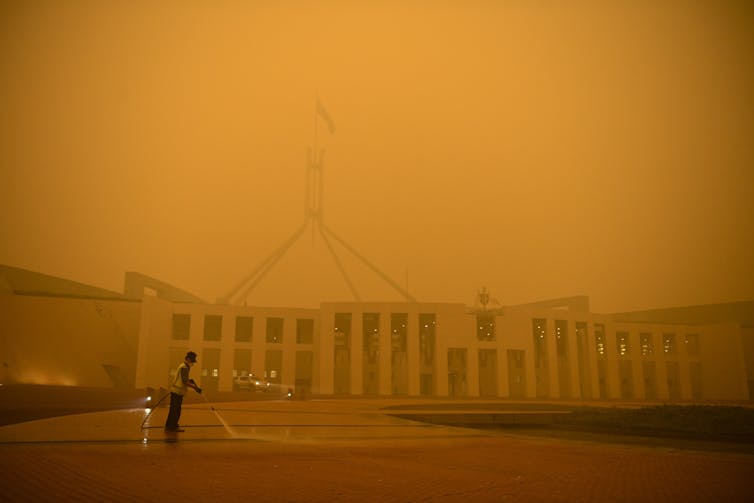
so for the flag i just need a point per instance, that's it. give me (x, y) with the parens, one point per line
(325, 116)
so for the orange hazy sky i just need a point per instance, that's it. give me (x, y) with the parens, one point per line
(538, 148)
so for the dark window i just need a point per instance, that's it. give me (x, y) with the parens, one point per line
(241, 365)
(647, 345)
(371, 336)
(274, 330)
(213, 327)
(398, 332)
(485, 327)
(273, 365)
(304, 331)
(561, 338)
(244, 328)
(342, 330)
(621, 340)
(181, 326)
(692, 344)
(427, 327)
(668, 344)
(539, 330)
(599, 340)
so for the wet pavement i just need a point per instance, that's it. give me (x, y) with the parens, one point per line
(341, 450)
(278, 420)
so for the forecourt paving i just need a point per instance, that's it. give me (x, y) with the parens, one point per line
(341, 450)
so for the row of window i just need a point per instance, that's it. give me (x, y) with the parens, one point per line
(486, 331)
(647, 346)
(669, 345)
(244, 326)
(305, 329)
(244, 329)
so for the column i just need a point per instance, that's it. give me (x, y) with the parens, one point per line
(385, 355)
(326, 353)
(227, 336)
(357, 354)
(413, 353)
(288, 379)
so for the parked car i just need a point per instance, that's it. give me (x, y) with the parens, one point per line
(250, 382)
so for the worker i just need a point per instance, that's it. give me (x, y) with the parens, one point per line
(178, 388)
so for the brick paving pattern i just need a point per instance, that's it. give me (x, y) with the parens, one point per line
(385, 460)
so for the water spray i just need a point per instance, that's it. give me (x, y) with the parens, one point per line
(211, 407)
(217, 414)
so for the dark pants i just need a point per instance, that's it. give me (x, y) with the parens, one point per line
(174, 415)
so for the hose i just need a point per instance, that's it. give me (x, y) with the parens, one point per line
(153, 408)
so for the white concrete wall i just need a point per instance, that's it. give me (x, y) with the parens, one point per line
(62, 340)
(66, 341)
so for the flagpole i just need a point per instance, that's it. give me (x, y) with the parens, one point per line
(314, 161)
(314, 211)
(315, 127)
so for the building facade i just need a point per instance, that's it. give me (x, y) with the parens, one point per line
(445, 350)
(54, 331)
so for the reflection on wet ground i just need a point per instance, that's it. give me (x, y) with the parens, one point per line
(344, 450)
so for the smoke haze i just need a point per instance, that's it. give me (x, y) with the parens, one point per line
(540, 149)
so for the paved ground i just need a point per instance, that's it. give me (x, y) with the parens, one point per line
(337, 450)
